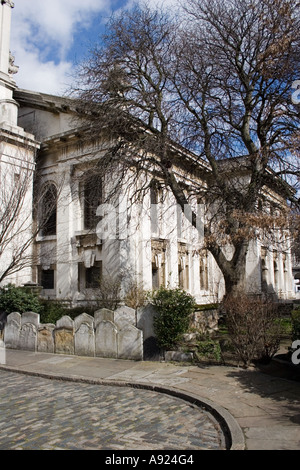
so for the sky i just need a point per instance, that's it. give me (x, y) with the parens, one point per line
(48, 38)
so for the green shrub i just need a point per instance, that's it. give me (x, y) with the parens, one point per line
(209, 349)
(19, 299)
(52, 311)
(295, 324)
(173, 308)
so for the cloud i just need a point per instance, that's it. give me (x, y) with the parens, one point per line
(42, 35)
(44, 32)
(47, 77)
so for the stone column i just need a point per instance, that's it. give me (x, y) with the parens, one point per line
(8, 106)
(64, 233)
(5, 25)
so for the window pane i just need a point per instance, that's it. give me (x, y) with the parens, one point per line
(92, 277)
(47, 279)
(92, 200)
(48, 216)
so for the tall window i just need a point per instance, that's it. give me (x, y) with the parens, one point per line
(264, 270)
(183, 267)
(49, 211)
(204, 271)
(155, 199)
(276, 270)
(183, 273)
(92, 200)
(89, 278)
(158, 249)
(92, 277)
(47, 279)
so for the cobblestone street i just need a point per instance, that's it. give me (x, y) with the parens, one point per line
(42, 414)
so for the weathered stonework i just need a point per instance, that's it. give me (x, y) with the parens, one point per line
(130, 343)
(206, 321)
(106, 339)
(64, 341)
(85, 336)
(124, 315)
(28, 337)
(103, 314)
(30, 317)
(46, 338)
(12, 331)
(2, 353)
(64, 336)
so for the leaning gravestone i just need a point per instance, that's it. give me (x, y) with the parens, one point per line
(64, 336)
(103, 314)
(106, 339)
(32, 318)
(12, 331)
(45, 342)
(28, 337)
(2, 353)
(29, 330)
(84, 335)
(124, 315)
(145, 320)
(130, 343)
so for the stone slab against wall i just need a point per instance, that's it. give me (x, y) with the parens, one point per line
(85, 336)
(2, 353)
(32, 318)
(64, 336)
(103, 314)
(64, 341)
(106, 339)
(84, 339)
(28, 337)
(45, 341)
(124, 315)
(12, 331)
(130, 343)
(178, 356)
(145, 320)
(65, 322)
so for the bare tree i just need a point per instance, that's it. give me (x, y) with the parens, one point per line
(15, 215)
(207, 95)
(22, 218)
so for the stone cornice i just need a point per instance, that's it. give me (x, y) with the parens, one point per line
(17, 136)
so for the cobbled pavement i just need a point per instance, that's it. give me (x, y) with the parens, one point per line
(43, 414)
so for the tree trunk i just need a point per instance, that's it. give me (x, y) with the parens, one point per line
(234, 270)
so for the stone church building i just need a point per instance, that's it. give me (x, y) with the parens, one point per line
(155, 247)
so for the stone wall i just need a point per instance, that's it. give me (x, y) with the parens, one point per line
(206, 321)
(107, 334)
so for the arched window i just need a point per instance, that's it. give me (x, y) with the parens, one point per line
(48, 216)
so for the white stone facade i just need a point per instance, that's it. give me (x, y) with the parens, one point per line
(155, 246)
